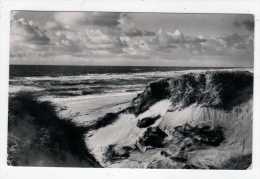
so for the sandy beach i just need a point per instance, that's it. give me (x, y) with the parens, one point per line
(85, 110)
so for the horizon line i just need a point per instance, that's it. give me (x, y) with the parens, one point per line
(132, 66)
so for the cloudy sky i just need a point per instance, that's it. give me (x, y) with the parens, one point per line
(145, 39)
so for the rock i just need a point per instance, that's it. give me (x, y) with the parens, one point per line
(114, 153)
(165, 153)
(147, 121)
(153, 137)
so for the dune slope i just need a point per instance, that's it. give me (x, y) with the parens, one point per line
(37, 136)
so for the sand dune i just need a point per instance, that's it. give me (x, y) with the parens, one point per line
(205, 122)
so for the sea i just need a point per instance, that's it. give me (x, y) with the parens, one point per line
(65, 81)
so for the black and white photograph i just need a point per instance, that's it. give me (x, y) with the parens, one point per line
(148, 90)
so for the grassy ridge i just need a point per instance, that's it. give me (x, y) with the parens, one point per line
(219, 89)
(37, 136)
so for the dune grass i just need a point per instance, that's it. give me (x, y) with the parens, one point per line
(219, 89)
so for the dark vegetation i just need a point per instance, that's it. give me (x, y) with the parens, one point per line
(109, 118)
(154, 92)
(235, 163)
(147, 121)
(239, 162)
(186, 139)
(200, 135)
(235, 88)
(218, 89)
(153, 137)
(113, 153)
(37, 136)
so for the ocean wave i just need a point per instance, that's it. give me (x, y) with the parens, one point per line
(93, 83)
(15, 89)
(106, 76)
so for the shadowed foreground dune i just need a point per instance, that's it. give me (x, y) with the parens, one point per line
(37, 136)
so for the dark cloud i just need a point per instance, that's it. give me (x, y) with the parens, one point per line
(197, 40)
(137, 32)
(38, 37)
(32, 33)
(105, 18)
(237, 41)
(247, 24)
(241, 46)
(233, 39)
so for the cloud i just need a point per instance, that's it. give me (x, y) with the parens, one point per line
(54, 37)
(135, 46)
(80, 35)
(86, 33)
(98, 34)
(163, 43)
(170, 41)
(228, 45)
(87, 41)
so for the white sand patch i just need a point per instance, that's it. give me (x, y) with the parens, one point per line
(180, 117)
(196, 114)
(159, 108)
(123, 132)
